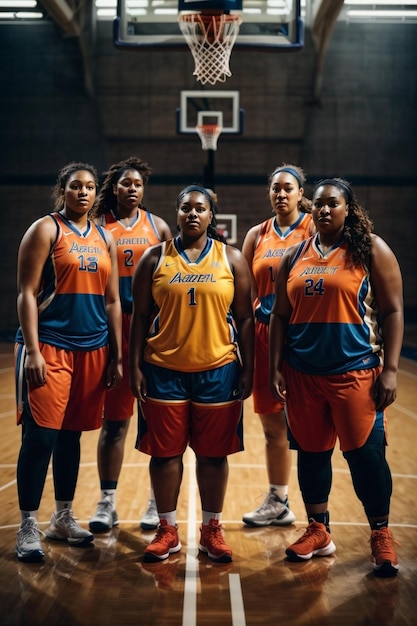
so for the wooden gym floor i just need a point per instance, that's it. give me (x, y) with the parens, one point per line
(107, 583)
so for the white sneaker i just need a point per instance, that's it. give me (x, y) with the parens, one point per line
(64, 528)
(104, 518)
(150, 518)
(28, 545)
(272, 512)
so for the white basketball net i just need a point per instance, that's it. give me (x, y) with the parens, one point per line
(210, 39)
(209, 134)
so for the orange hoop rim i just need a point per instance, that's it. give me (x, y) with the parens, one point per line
(208, 17)
(209, 129)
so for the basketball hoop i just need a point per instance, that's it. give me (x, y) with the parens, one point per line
(210, 38)
(209, 134)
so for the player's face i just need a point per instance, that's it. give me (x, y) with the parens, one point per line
(284, 195)
(329, 210)
(129, 190)
(194, 214)
(79, 193)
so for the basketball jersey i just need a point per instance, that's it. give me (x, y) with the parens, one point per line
(270, 248)
(71, 302)
(193, 329)
(333, 327)
(131, 242)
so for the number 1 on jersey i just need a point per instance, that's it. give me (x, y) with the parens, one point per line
(191, 294)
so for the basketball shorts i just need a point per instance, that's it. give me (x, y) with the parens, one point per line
(73, 395)
(119, 402)
(264, 402)
(200, 409)
(323, 408)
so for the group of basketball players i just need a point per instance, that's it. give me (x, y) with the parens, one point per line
(310, 311)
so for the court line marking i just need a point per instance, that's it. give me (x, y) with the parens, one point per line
(236, 601)
(403, 409)
(189, 614)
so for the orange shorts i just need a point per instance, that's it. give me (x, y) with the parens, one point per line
(199, 409)
(209, 430)
(73, 395)
(119, 403)
(323, 408)
(264, 402)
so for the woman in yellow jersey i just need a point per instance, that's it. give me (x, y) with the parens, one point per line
(191, 366)
(335, 339)
(263, 248)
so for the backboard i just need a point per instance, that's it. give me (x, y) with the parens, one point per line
(265, 23)
(209, 107)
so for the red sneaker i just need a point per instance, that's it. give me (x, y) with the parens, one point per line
(212, 542)
(383, 553)
(316, 541)
(165, 542)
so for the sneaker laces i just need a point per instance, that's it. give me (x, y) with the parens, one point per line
(382, 542)
(214, 533)
(269, 502)
(103, 508)
(161, 531)
(310, 532)
(29, 533)
(67, 518)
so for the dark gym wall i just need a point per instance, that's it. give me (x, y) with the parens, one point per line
(363, 128)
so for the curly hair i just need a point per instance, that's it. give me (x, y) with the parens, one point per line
(64, 175)
(358, 225)
(106, 200)
(298, 173)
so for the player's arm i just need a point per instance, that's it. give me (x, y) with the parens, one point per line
(388, 287)
(248, 251)
(114, 317)
(280, 315)
(143, 305)
(243, 315)
(34, 250)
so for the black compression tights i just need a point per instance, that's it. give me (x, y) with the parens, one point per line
(32, 465)
(371, 475)
(66, 463)
(38, 443)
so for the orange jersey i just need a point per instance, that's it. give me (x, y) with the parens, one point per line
(193, 329)
(270, 248)
(333, 327)
(131, 242)
(71, 303)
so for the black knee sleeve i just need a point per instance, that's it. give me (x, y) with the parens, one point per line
(371, 476)
(315, 475)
